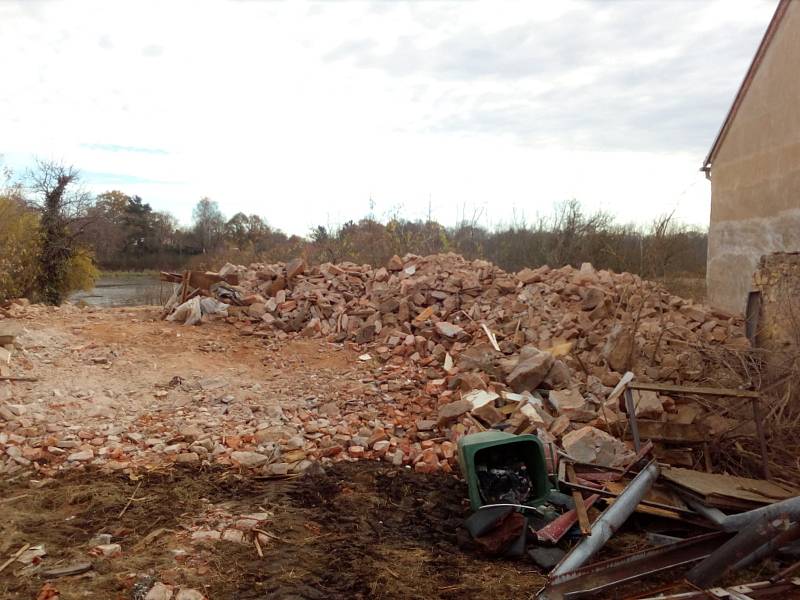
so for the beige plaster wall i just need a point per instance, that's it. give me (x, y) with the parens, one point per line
(755, 176)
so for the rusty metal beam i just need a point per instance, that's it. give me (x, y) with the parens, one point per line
(713, 568)
(758, 589)
(588, 581)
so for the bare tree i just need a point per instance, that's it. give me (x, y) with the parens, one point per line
(62, 207)
(209, 224)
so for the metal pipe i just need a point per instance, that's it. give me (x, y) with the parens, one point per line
(713, 568)
(538, 510)
(611, 520)
(769, 548)
(789, 508)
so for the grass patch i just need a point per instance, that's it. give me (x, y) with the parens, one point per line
(142, 273)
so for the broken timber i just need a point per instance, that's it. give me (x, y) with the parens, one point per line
(754, 397)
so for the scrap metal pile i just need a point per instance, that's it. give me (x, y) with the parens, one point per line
(672, 516)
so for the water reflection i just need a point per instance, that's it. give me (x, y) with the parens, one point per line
(125, 290)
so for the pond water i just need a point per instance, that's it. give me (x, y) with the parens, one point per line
(126, 290)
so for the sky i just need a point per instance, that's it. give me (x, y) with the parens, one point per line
(310, 113)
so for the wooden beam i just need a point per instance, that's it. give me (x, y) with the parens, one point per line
(664, 431)
(580, 507)
(14, 378)
(701, 391)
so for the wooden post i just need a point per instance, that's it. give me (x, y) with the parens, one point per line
(761, 439)
(637, 443)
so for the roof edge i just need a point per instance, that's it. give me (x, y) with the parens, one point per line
(769, 34)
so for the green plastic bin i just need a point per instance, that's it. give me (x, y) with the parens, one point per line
(527, 448)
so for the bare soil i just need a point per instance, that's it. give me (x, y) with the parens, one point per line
(351, 530)
(359, 530)
(356, 530)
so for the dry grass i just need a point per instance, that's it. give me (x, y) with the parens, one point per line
(686, 286)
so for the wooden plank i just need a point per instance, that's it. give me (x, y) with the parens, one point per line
(15, 378)
(170, 277)
(664, 500)
(633, 420)
(676, 457)
(14, 557)
(701, 391)
(663, 431)
(580, 507)
(202, 280)
(492, 338)
(762, 440)
(716, 487)
(606, 493)
(184, 287)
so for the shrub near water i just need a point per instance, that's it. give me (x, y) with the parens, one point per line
(19, 248)
(81, 271)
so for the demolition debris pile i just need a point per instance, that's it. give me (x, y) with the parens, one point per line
(623, 384)
(460, 346)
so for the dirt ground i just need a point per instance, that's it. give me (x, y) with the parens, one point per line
(359, 530)
(356, 530)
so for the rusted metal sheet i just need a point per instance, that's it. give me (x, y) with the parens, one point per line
(588, 581)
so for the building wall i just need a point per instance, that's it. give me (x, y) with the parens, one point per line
(755, 176)
(777, 321)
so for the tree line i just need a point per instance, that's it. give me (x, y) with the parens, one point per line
(54, 237)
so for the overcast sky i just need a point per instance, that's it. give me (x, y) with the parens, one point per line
(302, 112)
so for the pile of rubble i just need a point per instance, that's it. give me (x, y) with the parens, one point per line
(462, 345)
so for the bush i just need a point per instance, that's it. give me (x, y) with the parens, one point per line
(20, 251)
(19, 248)
(81, 271)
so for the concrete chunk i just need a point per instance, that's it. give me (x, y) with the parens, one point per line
(530, 370)
(590, 445)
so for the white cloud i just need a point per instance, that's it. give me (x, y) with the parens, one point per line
(300, 112)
